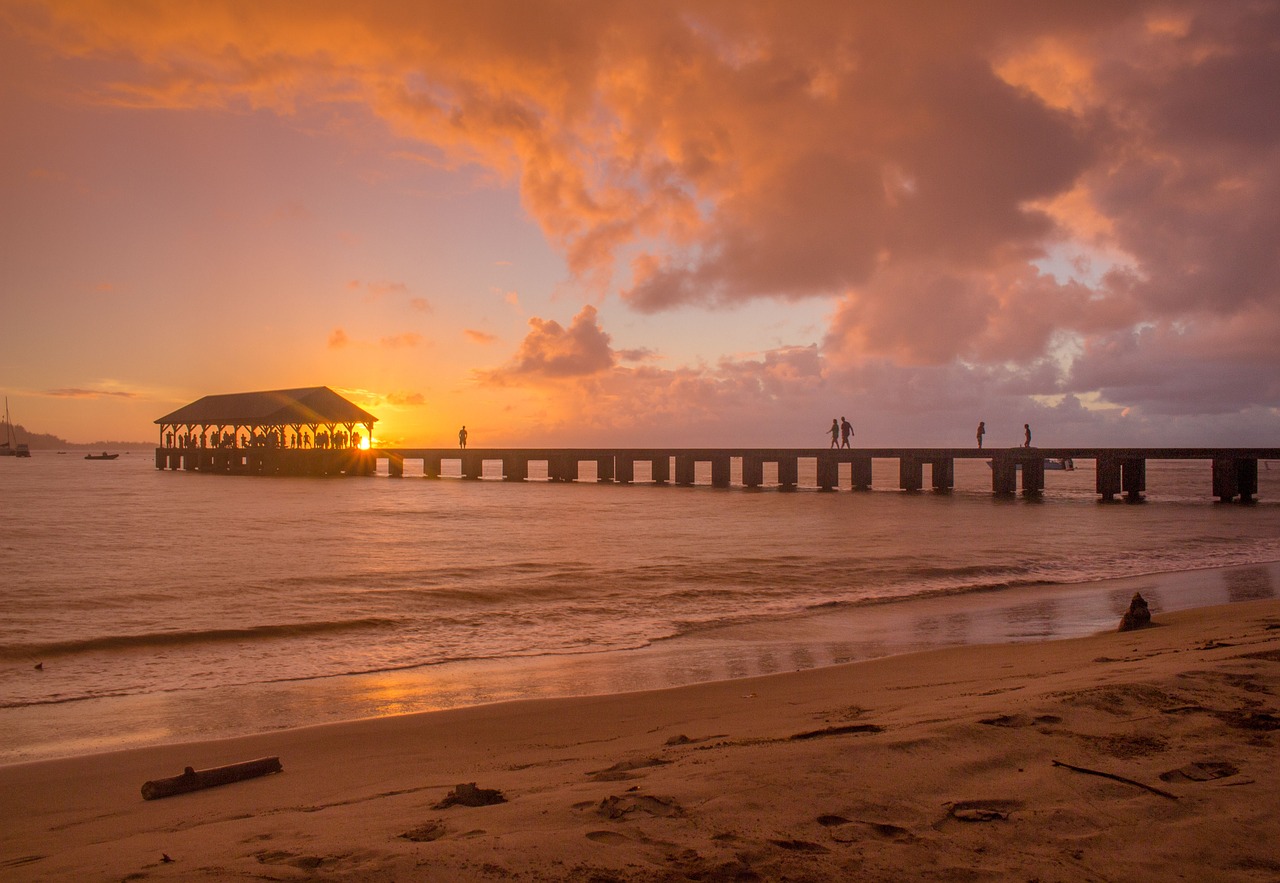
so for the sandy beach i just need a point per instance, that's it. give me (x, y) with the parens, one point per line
(1145, 755)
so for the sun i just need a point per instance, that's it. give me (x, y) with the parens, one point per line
(364, 444)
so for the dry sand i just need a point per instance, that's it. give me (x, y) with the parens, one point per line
(936, 766)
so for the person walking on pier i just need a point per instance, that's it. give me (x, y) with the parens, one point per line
(1026, 435)
(835, 433)
(982, 430)
(846, 430)
(462, 437)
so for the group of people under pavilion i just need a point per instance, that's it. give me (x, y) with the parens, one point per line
(311, 418)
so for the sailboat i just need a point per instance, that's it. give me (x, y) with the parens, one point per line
(10, 447)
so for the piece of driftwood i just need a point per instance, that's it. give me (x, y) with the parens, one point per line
(195, 780)
(1144, 787)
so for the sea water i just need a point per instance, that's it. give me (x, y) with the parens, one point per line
(169, 605)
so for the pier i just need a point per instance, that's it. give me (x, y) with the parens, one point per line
(1231, 473)
(313, 431)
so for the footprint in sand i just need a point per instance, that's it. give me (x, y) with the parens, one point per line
(612, 838)
(1021, 720)
(432, 830)
(615, 807)
(844, 830)
(1202, 771)
(983, 810)
(800, 846)
(623, 770)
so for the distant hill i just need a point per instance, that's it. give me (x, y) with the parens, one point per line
(43, 441)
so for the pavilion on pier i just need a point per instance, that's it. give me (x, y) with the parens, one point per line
(313, 417)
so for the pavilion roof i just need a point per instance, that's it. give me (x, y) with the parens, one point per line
(277, 407)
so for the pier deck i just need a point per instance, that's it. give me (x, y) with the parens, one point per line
(1119, 471)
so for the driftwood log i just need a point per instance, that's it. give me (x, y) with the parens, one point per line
(195, 780)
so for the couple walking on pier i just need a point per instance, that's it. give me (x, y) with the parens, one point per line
(840, 430)
(1026, 433)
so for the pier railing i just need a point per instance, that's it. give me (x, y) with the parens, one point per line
(1119, 471)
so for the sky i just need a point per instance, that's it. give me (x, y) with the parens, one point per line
(661, 222)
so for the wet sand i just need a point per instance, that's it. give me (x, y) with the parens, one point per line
(1145, 755)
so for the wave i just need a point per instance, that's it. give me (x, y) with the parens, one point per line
(196, 636)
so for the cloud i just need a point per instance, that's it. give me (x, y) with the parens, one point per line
(339, 339)
(481, 337)
(408, 340)
(405, 399)
(78, 393)
(376, 291)
(550, 351)
(915, 171)
(419, 305)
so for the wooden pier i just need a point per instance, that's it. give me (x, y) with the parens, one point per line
(1233, 475)
(314, 431)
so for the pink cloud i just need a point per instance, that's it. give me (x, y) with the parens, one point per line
(550, 351)
(338, 339)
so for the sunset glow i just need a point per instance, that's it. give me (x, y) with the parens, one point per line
(658, 223)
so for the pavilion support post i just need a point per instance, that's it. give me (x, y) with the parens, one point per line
(684, 469)
(910, 474)
(720, 470)
(788, 473)
(752, 470)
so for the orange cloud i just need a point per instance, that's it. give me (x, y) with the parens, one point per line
(912, 170)
(407, 399)
(481, 337)
(78, 393)
(550, 351)
(407, 340)
(338, 339)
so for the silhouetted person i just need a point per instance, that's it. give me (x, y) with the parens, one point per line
(982, 430)
(846, 430)
(835, 433)
(1026, 435)
(462, 437)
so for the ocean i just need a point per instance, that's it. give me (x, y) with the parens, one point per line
(169, 606)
